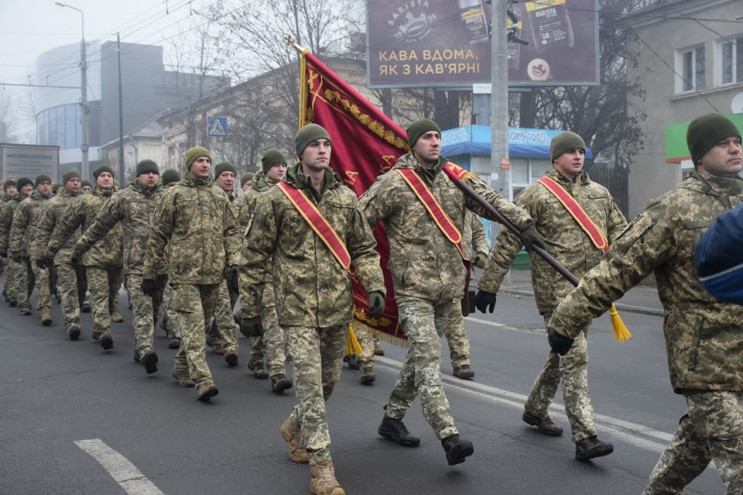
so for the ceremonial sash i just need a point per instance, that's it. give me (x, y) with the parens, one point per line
(318, 223)
(577, 212)
(439, 216)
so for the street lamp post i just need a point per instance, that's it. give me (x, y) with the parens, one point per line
(84, 147)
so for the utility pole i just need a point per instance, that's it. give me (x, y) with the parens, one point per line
(122, 170)
(500, 167)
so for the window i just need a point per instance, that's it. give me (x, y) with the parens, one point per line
(731, 60)
(690, 69)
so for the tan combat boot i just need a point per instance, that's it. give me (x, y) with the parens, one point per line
(291, 434)
(46, 317)
(323, 481)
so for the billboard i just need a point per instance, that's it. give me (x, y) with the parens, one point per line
(446, 43)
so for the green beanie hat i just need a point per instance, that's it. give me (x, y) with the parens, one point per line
(194, 153)
(224, 167)
(147, 166)
(69, 175)
(421, 126)
(8, 183)
(245, 178)
(85, 183)
(307, 134)
(566, 141)
(706, 131)
(22, 182)
(170, 175)
(101, 169)
(41, 178)
(272, 157)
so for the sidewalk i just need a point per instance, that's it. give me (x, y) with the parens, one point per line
(641, 299)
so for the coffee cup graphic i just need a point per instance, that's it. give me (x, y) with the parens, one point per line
(538, 70)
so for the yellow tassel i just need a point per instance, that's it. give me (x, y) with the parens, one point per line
(621, 333)
(352, 343)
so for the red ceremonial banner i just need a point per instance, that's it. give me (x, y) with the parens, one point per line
(366, 143)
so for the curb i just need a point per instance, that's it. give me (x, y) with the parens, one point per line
(624, 307)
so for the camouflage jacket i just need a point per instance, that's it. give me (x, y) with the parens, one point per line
(704, 336)
(133, 207)
(107, 252)
(52, 214)
(6, 220)
(312, 288)
(196, 222)
(423, 262)
(473, 235)
(25, 224)
(249, 200)
(565, 239)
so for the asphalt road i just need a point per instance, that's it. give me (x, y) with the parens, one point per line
(76, 420)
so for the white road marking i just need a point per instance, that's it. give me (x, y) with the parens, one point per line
(124, 472)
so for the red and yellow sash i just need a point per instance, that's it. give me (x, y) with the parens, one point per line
(577, 212)
(439, 216)
(318, 223)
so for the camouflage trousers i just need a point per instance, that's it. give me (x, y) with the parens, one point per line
(711, 430)
(423, 323)
(71, 290)
(570, 371)
(194, 305)
(456, 337)
(223, 329)
(270, 348)
(104, 284)
(24, 283)
(12, 271)
(363, 333)
(317, 357)
(43, 289)
(143, 316)
(169, 323)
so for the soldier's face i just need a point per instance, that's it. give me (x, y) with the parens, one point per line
(86, 189)
(73, 185)
(428, 148)
(316, 156)
(724, 159)
(26, 190)
(277, 172)
(104, 180)
(226, 181)
(201, 167)
(148, 179)
(11, 190)
(248, 184)
(44, 187)
(570, 163)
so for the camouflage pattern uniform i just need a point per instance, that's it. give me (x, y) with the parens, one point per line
(269, 350)
(571, 246)
(102, 263)
(70, 279)
(22, 232)
(474, 241)
(703, 335)
(133, 207)
(428, 276)
(314, 301)
(196, 222)
(12, 268)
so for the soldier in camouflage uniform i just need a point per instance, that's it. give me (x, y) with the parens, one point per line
(103, 262)
(573, 248)
(22, 232)
(133, 207)
(86, 187)
(364, 361)
(428, 276)
(196, 222)
(70, 279)
(221, 334)
(24, 186)
(704, 336)
(314, 301)
(270, 345)
(170, 178)
(9, 192)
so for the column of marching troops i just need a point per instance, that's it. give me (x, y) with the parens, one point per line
(187, 248)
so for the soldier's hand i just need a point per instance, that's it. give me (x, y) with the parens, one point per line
(376, 304)
(558, 342)
(234, 278)
(480, 260)
(530, 237)
(149, 287)
(485, 301)
(41, 263)
(251, 327)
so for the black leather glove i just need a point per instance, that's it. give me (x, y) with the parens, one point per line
(233, 279)
(251, 327)
(485, 300)
(480, 260)
(530, 237)
(558, 342)
(376, 304)
(149, 287)
(41, 263)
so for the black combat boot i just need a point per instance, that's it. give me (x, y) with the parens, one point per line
(544, 425)
(395, 430)
(457, 450)
(591, 447)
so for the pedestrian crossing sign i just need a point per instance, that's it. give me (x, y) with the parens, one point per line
(216, 126)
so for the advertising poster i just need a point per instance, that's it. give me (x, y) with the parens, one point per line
(446, 43)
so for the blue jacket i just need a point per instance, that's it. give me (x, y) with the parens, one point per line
(719, 257)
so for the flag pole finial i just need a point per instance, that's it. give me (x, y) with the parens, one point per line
(290, 41)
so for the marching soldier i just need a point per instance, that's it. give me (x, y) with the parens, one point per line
(170, 178)
(23, 188)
